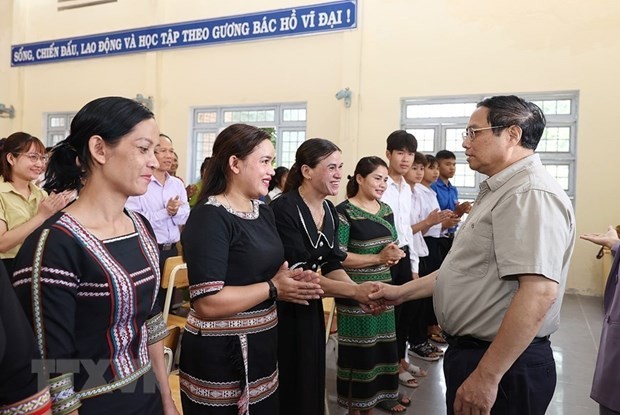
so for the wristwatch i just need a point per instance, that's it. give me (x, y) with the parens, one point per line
(273, 291)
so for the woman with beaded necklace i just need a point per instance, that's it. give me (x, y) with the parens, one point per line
(236, 270)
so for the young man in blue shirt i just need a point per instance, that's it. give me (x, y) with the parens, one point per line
(448, 195)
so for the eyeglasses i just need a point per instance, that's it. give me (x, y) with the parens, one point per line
(34, 157)
(471, 132)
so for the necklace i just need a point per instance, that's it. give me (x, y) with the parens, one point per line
(317, 216)
(228, 201)
(230, 206)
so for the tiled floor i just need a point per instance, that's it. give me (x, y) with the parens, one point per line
(575, 346)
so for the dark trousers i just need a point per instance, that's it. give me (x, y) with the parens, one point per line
(445, 245)
(603, 410)
(422, 309)
(163, 255)
(430, 264)
(527, 387)
(401, 274)
(421, 313)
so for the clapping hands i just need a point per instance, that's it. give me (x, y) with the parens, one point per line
(55, 202)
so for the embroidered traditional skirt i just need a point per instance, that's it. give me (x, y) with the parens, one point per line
(229, 366)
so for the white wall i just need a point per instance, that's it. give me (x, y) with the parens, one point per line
(401, 48)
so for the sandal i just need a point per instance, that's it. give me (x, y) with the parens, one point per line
(416, 370)
(390, 405)
(425, 351)
(404, 400)
(436, 349)
(406, 379)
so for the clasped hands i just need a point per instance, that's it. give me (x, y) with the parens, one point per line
(391, 254)
(297, 285)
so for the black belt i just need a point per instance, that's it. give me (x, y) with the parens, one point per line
(470, 342)
(166, 247)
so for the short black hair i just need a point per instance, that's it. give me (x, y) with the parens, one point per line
(445, 155)
(431, 160)
(508, 110)
(419, 158)
(402, 140)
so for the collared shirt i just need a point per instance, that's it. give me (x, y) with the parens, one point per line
(398, 197)
(153, 203)
(428, 203)
(521, 224)
(16, 210)
(447, 196)
(417, 216)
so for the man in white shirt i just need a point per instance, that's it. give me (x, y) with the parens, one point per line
(401, 147)
(164, 204)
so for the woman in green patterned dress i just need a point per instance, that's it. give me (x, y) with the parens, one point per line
(367, 354)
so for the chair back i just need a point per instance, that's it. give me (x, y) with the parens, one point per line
(174, 276)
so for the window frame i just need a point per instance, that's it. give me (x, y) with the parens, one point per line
(278, 124)
(50, 131)
(441, 124)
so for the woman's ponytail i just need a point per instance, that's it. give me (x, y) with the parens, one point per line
(64, 171)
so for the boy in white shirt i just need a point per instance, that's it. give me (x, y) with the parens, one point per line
(424, 217)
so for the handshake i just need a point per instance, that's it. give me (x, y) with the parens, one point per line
(299, 286)
(375, 297)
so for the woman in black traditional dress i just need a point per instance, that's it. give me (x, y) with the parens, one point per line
(88, 277)
(20, 389)
(236, 270)
(308, 226)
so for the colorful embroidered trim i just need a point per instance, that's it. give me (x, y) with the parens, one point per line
(239, 324)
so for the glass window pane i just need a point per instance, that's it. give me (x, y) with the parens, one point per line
(250, 116)
(425, 137)
(460, 109)
(555, 106)
(55, 138)
(204, 145)
(564, 106)
(290, 141)
(561, 173)
(464, 176)
(555, 139)
(206, 117)
(454, 139)
(56, 122)
(297, 114)
(550, 107)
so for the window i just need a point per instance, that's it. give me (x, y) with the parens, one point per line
(57, 127)
(437, 123)
(286, 123)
